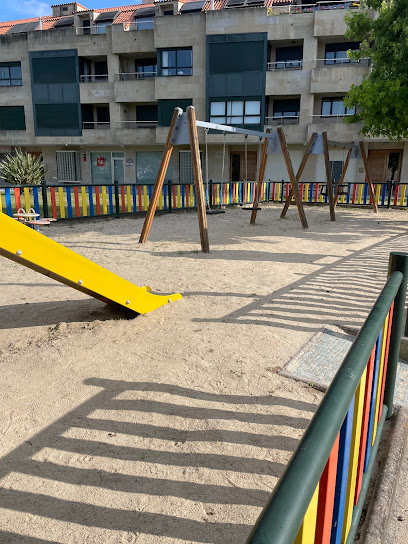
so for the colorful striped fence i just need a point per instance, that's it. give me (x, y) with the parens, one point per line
(64, 202)
(320, 497)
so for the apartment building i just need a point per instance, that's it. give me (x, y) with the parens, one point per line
(94, 90)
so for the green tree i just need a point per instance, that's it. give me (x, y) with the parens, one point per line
(23, 168)
(382, 98)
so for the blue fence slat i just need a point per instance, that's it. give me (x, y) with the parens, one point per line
(69, 203)
(365, 193)
(373, 399)
(110, 193)
(9, 207)
(134, 198)
(90, 198)
(383, 194)
(36, 201)
(342, 476)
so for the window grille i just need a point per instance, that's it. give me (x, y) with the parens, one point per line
(68, 166)
(186, 166)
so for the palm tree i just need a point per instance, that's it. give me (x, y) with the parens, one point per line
(23, 168)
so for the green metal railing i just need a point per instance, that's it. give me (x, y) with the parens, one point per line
(319, 498)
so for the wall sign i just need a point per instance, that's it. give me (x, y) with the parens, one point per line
(100, 161)
(129, 162)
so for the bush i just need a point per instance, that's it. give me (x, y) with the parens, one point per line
(23, 168)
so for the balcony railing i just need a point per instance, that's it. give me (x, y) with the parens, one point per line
(319, 6)
(95, 29)
(91, 125)
(143, 24)
(134, 76)
(345, 61)
(285, 65)
(93, 78)
(282, 120)
(137, 124)
(320, 118)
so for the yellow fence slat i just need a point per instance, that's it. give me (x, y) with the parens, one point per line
(306, 534)
(104, 200)
(27, 198)
(380, 377)
(61, 202)
(84, 205)
(354, 451)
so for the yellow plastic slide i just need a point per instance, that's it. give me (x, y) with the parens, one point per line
(34, 250)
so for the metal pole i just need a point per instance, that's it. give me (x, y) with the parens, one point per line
(398, 262)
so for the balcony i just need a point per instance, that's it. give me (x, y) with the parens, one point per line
(334, 126)
(136, 132)
(137, 124)
(329, 17)
(279, 120)
(133, 87)
(285, 65)
(91, 78)
(337, 76)
(92, 125)
(287, 81)
(142, 24)
(88, 30)
(124, 38)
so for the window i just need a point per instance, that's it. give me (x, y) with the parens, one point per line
(10, 74)
(147, 166)
(336, 53)
(336, 169)
(101, 27)
(54, 70)
(68, 166)
(236, 56)
(12, 118)
(289, 58)
(335, 106)
(177, 62)
(287, 108)
(146, 68)
(57, 116)
(147, 114)
(168, 12)
(186, 166)
(236, 112)
(166, 109)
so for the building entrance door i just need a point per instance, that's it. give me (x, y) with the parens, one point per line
(384, 165)
(118, 171)
(237, 165)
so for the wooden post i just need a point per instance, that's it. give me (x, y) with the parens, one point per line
(261, 174)
(368, 177)
(343, 175)
(329, 183)
(198, 179)
(299, 173)
(168, 148)
(292, 177)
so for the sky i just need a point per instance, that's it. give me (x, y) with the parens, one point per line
(24, 9)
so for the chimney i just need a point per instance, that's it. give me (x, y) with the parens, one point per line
(212, 5)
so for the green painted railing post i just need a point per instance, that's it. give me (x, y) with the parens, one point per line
(398, 262)
(117, 203)
(44, 198)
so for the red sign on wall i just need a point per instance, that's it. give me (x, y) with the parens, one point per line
(100, 161)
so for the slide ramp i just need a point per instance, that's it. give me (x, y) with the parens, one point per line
(32, 249)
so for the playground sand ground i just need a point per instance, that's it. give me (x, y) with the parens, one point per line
(175, 426)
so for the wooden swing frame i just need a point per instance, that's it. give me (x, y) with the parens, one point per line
(174, 136)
